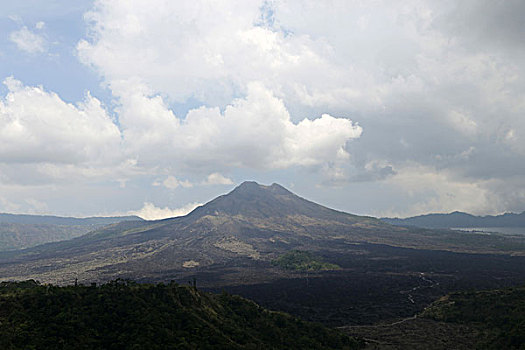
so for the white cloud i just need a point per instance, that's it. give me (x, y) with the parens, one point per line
(28, 41)
(67, 141)
(7, 206)
(38, 127)
(440, 191)
(217, 179)
(248, 71)
(150, 212)
(40, 25)
(462, 122)
(211, 52)
(38, 206)
(171, 182)
(397, 65)
(253, 132)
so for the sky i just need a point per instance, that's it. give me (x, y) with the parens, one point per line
(383, 108)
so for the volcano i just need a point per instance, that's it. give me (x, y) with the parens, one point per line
(246, 228)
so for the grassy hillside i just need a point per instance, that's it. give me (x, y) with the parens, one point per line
(303, 261)
(499, 313)
(125, 315)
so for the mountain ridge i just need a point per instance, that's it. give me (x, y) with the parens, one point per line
(19, 231)
(64, 220)
(253, 199)
(460, 219)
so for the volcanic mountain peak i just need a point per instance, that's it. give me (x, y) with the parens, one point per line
(253, 188)
(251, 199)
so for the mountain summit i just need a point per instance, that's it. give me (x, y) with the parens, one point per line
(252, 200)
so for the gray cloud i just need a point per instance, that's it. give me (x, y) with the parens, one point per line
(485, 24)
(436, 88)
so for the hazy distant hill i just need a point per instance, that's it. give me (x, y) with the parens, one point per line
(459, 219)
(24, 231)
(250, 226)
(124, 315)
(68, 221)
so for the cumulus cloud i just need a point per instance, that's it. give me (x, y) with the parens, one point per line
(400, 66)
(435, 191)
(423, 189)
(62, 139)
(36, 126)
(253, 132)
(29, 41)
(243, 66)
(217, 179)
(44, 140)
(150, 212)
(212, 52)
(171, 182)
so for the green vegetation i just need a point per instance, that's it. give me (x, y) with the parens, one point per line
(499, 313)
(303, 261)
(126, 315)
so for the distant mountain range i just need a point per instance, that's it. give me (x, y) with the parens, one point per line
(24, 231)
(250, 226)
(67, 221)
(459, 219)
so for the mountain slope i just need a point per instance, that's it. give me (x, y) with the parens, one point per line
(500, 314)
(24, 231)
(257, 201)
(250, 226)
(459, 219)
(124, 315)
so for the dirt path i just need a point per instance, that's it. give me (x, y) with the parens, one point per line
(379, 325)
(427, 283)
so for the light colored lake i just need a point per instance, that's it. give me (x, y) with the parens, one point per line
(488, 230)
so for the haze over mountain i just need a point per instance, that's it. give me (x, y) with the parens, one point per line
(252, 224)
(19, 231)
(459, 219)
(61, 220)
